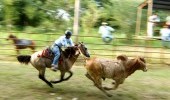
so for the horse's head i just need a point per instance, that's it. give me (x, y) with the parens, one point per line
(82, 48)
(11, 37)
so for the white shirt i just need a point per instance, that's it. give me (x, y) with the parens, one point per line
(165, 34)
(106, 31)
(154, 18)
(168, 18)
(63, 41)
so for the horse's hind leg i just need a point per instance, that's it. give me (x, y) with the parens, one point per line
(42, 77)
(17, 50)
(32, 47)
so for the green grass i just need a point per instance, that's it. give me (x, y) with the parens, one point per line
(21, 82)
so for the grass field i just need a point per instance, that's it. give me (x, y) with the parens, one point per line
(21, 82)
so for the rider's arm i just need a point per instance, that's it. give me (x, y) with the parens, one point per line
(71, 41)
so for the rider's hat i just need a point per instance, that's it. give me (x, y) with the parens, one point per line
(104, 23)
(68, 33)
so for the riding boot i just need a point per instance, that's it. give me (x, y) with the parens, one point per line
(54, 67)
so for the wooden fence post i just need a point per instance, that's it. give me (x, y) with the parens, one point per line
(76, 20)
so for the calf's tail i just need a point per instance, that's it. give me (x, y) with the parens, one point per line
(25, 59)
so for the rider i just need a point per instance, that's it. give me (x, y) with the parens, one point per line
(63, 41)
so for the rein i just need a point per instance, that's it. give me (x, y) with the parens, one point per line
(81, 53)
(84, 58)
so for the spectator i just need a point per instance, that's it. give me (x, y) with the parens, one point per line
(168, 21)
(165, 36)
(151, 22)
(106, 32)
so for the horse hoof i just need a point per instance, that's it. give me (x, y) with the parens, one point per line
(51, 85)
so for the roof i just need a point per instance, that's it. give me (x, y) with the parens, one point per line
(160, 4)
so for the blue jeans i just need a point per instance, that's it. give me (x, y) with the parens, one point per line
(107, 39)
(56, 51)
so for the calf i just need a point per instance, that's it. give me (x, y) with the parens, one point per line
(118, 70)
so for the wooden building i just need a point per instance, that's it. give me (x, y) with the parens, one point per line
(150, 5)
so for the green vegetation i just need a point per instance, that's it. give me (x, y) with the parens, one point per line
(41, 15)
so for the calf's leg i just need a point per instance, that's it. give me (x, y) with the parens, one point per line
(98, 84)
(116, 84)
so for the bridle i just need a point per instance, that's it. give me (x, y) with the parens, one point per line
(80, 52)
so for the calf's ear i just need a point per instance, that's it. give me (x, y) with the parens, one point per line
(122, 57)
(142, 59)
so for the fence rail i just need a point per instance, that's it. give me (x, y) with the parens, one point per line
(140, 46)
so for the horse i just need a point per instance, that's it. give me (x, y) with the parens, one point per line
(66, 61)
(21, 43)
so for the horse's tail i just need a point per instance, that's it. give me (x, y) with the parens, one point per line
(24, 58)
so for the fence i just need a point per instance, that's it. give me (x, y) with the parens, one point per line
(151, 49)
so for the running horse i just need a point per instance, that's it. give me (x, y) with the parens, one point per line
(21, 43)
(66, 61)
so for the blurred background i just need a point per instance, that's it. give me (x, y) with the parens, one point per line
(43, 21)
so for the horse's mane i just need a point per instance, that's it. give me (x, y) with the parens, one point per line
(69, 52)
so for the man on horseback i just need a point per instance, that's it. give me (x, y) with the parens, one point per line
(63, 41)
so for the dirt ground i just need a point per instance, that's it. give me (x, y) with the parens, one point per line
(21, 82)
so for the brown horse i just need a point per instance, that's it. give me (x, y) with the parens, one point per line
(21, 43)
(67, 59)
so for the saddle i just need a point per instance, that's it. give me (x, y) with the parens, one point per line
(47, 53)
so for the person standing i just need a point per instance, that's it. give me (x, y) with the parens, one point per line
(106, 32)
(63, 41)
(165, 36)
(151, 23)
(168, 21)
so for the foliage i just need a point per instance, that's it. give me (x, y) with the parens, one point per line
(120, 14)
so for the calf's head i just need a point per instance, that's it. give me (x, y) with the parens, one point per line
(137, 63)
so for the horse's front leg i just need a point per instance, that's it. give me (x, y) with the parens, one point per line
(61, 78)
(42, 77)
(71, 74)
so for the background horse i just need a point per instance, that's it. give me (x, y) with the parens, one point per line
(67, 59)
(21, 43)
